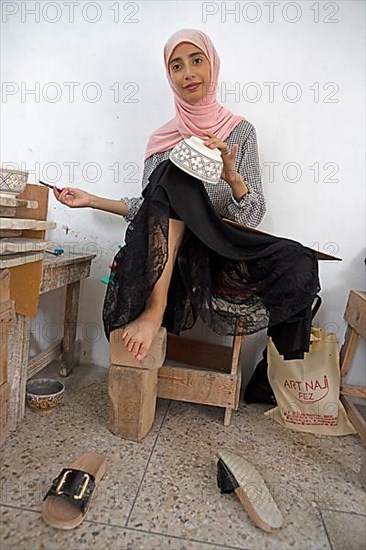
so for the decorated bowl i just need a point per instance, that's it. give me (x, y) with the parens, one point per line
(12, 182)
(44, 393)
(194, 158)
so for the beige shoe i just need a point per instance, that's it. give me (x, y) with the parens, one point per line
(234, 473)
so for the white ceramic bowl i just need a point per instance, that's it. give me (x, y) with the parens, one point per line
(12, 182)
(193, 157)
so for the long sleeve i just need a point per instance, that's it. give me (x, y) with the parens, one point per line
(252, 207)
(133, 203)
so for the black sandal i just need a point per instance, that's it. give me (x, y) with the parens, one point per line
(68, 499)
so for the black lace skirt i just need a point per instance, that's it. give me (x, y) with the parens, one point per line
(236, 281)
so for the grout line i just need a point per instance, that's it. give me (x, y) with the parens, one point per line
(147, 465)
(19, 508)
(168, 535)
(325, 509)
(325, 529)
(136, 530)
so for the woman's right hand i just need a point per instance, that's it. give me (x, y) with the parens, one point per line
(73, 197)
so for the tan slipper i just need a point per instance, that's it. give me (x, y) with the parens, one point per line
(68, 499)
(234, 473)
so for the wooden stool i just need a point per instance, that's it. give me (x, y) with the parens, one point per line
(176, 368)
(204, 373)
(132, 387)
(355, 315)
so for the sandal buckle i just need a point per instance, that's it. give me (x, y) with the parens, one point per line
(83, 486)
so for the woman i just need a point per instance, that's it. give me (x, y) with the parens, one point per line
(234, 280)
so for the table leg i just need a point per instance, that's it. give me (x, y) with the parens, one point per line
(227, 417)
(362, 473)
(17, 368)
(70, 325)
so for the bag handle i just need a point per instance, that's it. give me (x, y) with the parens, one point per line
(316, 333)
(315, 307)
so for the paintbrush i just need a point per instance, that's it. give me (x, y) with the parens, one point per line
(54, 187)
(50, 186)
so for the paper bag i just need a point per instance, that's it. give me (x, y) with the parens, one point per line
(307, 390)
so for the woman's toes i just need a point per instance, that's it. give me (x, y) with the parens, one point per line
(142, 353)
(132, 343)
(129, 331)
(135, 349)
(139, 344)
(129, 340)
(126, 337)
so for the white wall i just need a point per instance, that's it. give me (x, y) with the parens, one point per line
(325, 60)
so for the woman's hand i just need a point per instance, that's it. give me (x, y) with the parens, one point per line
(77, 198)
(73, 197)
(229, 173)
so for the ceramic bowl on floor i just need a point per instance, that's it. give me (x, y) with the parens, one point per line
(44, 393)
(194, 158)
(12, 182)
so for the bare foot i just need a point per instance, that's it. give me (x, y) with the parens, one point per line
(138, 335)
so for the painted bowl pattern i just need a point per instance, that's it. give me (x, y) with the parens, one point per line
(12, 182)
(44, 393)
(194, 158)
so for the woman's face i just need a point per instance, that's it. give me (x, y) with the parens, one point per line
(190, 72)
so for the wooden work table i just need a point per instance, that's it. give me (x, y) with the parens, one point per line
(58, 271)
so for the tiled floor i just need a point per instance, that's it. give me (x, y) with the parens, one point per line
(161, 493)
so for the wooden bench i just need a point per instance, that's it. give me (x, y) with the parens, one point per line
(177, 368)
(200, 372)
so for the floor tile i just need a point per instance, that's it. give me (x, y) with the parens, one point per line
(345, 530)
(44, 445)
(23, 530)
(179, 494)
(162, 492)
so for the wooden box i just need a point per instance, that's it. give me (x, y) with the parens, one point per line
(132, 401)
(119, 354)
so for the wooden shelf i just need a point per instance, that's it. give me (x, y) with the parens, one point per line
(9, 205)
(6, 201)
(14, 260)
(18, 245)
(17, 224)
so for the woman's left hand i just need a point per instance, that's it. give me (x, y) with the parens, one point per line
(229, 172)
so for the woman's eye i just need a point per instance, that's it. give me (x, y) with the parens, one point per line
(177, 66)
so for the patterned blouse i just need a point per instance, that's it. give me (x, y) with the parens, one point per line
(251, 208)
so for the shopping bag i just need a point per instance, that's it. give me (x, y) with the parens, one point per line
(259, 389)
(307, 390)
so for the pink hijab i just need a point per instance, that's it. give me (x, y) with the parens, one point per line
(207, 115)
